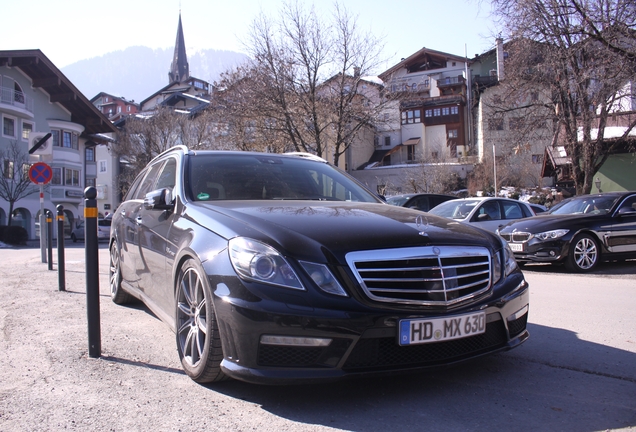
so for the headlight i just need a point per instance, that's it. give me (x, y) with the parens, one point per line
(325, 280)
(504, 262)
(551, 235)
(259, 262)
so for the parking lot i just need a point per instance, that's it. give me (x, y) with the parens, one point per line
(576, 372)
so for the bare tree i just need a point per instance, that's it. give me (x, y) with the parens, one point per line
(553, 50)
(15, 183)
(304, 90)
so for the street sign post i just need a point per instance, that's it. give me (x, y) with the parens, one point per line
(41, 173)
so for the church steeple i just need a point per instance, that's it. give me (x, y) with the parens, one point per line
(179, 70)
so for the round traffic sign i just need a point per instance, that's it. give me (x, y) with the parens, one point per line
(40, 173)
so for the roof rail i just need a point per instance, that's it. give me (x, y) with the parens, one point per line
(306, 156)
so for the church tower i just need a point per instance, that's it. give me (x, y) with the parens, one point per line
(179, 69)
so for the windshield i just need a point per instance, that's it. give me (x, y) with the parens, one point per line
(270, 177)
(397, 200)
(586, 205)
(455, 209)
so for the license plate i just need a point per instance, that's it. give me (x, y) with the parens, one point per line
(421, 331)
(516, 247)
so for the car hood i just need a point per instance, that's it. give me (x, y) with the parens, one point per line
(549, 222)
(305, 229)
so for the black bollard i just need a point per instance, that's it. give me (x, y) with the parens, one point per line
(49, 237)
(92, 272)
(61, 282)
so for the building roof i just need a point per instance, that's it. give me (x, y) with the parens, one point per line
(416, 58)
(46, 76)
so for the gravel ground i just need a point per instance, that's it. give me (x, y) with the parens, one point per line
(48, 381)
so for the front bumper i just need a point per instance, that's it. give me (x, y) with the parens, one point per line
(542, 251)
(363, 342)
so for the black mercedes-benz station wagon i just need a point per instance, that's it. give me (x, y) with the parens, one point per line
(276, 268)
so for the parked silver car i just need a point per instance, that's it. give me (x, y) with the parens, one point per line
(103, 230)
(488, 213)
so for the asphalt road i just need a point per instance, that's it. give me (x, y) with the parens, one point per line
(577, 372)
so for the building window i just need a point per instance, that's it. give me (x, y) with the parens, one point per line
(428, 113)
(452, 133)
(71, 177)
(57, 176)
(516, 123)
(90, 154)
(67, 139)
(128, 108)
(411, 116)
(436, 112)
(454, 110)
(27, 128)
(445, 111)
(7, 169)
(8, 126)
(387, 140)
(55, 135)
(495, 123)
(434, 155)
(102, 166)
(90, 181)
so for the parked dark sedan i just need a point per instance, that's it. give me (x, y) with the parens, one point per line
(419, 201)
(279, 268)
(580, 233)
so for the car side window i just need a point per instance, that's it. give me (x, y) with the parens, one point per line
(167, 178)
(420, 203)
(490, 208)
(133, 189)
(629, 203)
(512, 210)
(148, 181)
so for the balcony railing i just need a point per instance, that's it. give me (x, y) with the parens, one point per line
(410, 87)
(450, 81)
(16, 98)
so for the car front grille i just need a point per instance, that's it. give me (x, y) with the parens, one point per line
(428, 276)
(517, 237)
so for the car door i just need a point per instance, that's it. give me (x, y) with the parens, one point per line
(487, 215)
(132, 242)
(622, 234)
(154, 226)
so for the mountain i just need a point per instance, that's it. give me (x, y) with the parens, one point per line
(138, 72)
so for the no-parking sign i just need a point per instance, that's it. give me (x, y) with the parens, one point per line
(40, 173)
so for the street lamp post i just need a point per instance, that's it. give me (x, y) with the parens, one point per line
(597, 182)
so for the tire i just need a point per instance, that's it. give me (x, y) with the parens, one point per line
(117, 293)
(584, 254)
(73, 238)
(198, 339)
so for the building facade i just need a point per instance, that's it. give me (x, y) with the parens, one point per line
(37, 99)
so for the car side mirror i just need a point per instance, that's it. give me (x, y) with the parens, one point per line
(483, 217)
(627, 211)
(160, 199)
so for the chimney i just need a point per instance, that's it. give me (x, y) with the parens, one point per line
(356, 71)
(500, 58)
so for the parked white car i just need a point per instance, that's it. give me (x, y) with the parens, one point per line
(103, 230)
(488, 213)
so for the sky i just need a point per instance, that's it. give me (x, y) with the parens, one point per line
(67, 31)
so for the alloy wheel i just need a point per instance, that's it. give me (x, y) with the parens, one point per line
(192, 317)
